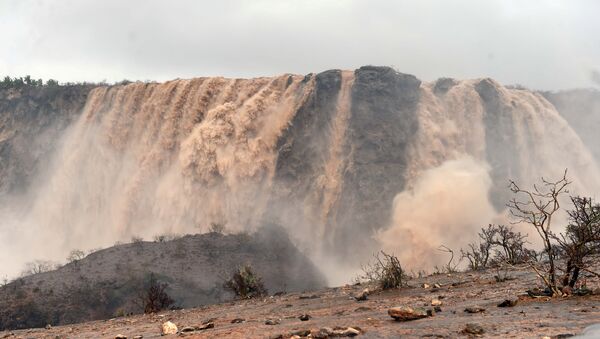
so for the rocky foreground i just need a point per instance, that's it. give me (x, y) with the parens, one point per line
(439, 306)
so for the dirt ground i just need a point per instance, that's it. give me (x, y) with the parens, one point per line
(529, 318)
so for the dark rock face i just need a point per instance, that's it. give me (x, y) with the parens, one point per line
(442, 85)
(32, 120)
(110, 280)
(303, 146)
(383, 122)
(501, 150)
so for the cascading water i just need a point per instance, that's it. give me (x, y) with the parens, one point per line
(349, 162)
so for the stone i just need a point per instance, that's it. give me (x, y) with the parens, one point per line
(168, 328)
(345, 332)
(404, 313)
(508, 303)
(238, 320)
(138, 337)
(362, 296)
(322, 333)
(474, 309)
(48, 326)
(205, 326)
(472, 328)
(436, 302)
(437, 309)
(272, 321)
(120, 336)
(187, 329)
(301, 333)
(304, 317)
(425, 286)
(436, 285)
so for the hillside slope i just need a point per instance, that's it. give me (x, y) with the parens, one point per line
(108, 281)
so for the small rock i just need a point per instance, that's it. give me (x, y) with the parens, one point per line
(48, 326)
(301, 333)
(120, 336)
(138, 337)
(404, 313)
(312, 296)
(187, 329)
(474, 309)
(436, 302)
(169, 328)
(472, 328)
(272, 321)
(205, 326)
(304, 317)
(425, 286)
(362, 309)
(345, 332)
(238, 320)
(362, 296)
(508, 303)
(436, 285)
(322, 333)
(437, 309)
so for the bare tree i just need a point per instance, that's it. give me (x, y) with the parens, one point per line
(153, 297)
(581, 239)
(38, 266)
(450, 267)
(385, 271)
(537, 207)
(75, 256)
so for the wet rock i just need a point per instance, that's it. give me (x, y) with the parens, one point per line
(508, 303)
(436, 302)
(205, 326)
(404, 313)
(120, 336)
(362, 309)
(312, 296)
(187, 329)
(304, 317)
(322, 333)
(346, 331)
(362, 296)
(168, 328)
(272, 321)
(472, 328)
(301, 333)
(238, 320)
(474, 309)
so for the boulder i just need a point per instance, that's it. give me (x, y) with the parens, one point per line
(404, 313)
(168, 328)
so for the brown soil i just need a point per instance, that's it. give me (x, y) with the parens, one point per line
(530, 318)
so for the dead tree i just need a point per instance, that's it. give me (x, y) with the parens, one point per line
(581, 239)
(153, 297)
(537, 207)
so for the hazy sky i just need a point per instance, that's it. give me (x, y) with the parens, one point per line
(540, 44)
